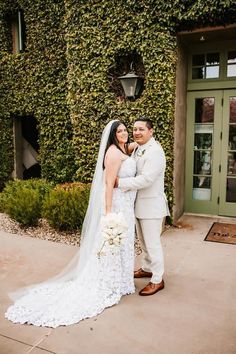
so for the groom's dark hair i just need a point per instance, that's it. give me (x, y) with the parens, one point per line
(146, 120)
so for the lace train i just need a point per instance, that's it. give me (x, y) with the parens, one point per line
(101, 284)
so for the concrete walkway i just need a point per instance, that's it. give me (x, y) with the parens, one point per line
(194, 314)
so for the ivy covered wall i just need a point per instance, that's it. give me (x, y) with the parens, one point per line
(65, 76)
(97, 32)
(35, 83)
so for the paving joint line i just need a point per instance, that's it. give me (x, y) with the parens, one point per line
(29, 345)
(35, 345)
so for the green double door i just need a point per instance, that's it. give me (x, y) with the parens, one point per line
(211, 153)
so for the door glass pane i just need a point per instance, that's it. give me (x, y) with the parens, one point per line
(201, 188)
(204, 110)
(202, 140)
(202, 163)
(232, 163)
(203, 148)
(232, 116)
(231, 190)
(232, 137)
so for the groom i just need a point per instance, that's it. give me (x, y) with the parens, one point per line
(151, 204)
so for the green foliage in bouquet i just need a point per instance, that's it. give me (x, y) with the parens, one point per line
(66, 205)
(22, 200)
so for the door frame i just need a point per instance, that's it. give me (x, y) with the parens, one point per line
(225, 208)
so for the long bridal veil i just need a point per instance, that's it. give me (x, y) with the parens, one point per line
(90, 228)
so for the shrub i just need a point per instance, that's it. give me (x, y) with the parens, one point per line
(22, 200)
(65, 206)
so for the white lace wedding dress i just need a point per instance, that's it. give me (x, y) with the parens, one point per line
(101, 284)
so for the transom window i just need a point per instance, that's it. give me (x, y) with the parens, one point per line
(231, 64)
(214, 65)
(205, 66)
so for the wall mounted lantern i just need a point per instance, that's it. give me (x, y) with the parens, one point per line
(131, 84)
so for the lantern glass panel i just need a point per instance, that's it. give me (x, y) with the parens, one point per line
(129, 86)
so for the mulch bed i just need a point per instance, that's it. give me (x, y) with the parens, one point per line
(45, 232)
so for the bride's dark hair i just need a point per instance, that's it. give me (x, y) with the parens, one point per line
(112, 139)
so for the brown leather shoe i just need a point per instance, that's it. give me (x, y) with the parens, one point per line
(140, 273)
(151, 288)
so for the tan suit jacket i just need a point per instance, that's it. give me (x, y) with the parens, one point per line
(151, 202)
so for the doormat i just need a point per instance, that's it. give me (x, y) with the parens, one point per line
(221, 232)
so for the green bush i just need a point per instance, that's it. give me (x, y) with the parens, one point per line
(65, 206)
(22, 200)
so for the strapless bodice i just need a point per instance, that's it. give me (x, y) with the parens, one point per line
(127, 168)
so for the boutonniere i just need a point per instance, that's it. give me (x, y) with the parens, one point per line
(140, 153)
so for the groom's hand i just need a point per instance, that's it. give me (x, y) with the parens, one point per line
(116, 182)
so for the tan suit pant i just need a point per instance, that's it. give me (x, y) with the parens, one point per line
(149, 234)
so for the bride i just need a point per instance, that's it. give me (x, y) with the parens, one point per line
(90, 283)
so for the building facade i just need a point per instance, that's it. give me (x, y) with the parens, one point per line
(60, 62)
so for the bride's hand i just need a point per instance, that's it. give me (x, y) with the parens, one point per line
(132, 147)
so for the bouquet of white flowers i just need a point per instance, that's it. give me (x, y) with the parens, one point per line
(113, 228)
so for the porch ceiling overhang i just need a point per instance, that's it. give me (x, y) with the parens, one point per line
(208, 34)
